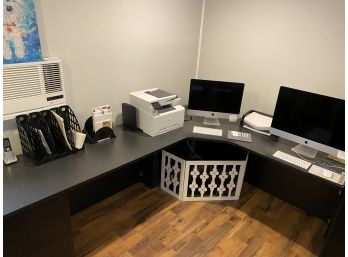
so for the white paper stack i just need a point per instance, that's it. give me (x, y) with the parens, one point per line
(258, 122)
(60, 121)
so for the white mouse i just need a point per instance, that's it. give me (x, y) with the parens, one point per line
(327, 173)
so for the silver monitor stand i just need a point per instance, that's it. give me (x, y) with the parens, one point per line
(211, 121)
(305, 150)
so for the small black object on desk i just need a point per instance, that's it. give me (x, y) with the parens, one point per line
(93, 137)
(129, 117)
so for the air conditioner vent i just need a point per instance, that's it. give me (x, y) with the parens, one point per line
(52, 75)
(34, 86)
(21, 82)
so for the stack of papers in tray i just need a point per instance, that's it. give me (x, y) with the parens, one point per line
(60, 121)
(258, 122)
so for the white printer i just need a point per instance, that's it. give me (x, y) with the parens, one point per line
(157, 111)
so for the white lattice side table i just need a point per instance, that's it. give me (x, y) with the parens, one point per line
(202, 180)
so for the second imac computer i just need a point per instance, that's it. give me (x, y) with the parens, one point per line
(315, 122)
(215, 99)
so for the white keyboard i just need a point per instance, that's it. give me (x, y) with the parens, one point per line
(207, 131)
(292, 159)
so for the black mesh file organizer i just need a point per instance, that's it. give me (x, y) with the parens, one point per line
(70, 122)
(31, 141)
(45, 135)
(41, 137)
(57, 136)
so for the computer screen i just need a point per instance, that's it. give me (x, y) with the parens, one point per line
(215, 99)
(310, 119)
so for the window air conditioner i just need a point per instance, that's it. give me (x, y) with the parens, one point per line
(29, 87)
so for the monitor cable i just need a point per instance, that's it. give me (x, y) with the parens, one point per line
(191, 145)
(323, 163)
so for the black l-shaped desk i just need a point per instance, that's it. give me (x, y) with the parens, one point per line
(36, 204)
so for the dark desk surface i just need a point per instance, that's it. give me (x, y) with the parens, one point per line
(25, 184)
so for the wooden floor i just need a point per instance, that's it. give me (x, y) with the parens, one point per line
(148, 222)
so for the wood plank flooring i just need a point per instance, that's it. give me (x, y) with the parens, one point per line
(148, 222)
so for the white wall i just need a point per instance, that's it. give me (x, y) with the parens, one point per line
(270, 43)
(112, 47)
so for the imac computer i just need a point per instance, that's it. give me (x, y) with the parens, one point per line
(215, 99)
(315, 122)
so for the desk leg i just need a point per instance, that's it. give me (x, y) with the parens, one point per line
(150, 170)
(156, 170)
(334, 235)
